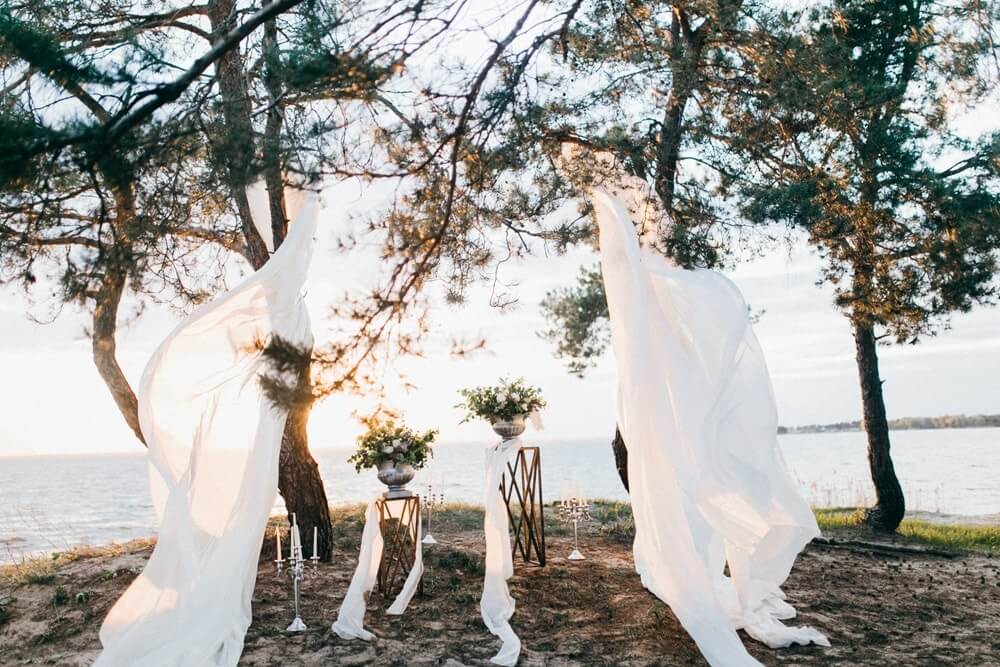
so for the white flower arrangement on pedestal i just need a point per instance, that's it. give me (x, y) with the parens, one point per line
(392, 443)
(507, 401)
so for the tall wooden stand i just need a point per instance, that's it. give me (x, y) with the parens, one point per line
(521, 489)
(399, 522)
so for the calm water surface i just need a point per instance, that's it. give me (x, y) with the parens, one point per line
(55, 502)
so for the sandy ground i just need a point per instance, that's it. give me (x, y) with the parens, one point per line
(879, 606)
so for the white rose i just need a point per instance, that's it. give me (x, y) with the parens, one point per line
(396, 442)
(387, 450)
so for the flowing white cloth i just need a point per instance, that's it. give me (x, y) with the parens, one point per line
(213, 443)
(351, 617)
(496, 604)
(708, 484)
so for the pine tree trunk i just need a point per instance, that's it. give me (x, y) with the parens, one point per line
(890, 505)
(104, 346)
(301, 485)
(299, 481)
(621, 457)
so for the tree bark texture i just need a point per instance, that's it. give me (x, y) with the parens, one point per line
(621, 457)
(890, 505)
(301, 485)
(105, 326)
(299, 481)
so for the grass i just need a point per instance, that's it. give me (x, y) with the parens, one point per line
(5, 603)
(60, 597)
(457, 561)
(614, 520)
(30, 570)
(970, 538)
(837, 518)
(42, 570)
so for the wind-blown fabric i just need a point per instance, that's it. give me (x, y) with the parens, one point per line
(351, 617)
(708, 484)
(497, 604)
(213, 443)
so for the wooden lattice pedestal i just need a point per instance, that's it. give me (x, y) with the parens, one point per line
(398, 521)
(521, 489)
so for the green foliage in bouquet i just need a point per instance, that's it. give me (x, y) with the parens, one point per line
(503, 402)
(393, 442)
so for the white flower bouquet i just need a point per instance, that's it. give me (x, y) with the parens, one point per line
(393, 442)
(504, 402)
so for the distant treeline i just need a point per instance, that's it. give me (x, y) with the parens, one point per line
(903, 424)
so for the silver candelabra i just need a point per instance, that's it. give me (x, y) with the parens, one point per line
(574, 508)
(296, 567)
(432, 500)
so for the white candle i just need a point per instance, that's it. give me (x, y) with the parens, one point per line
(298, 539)
(277, 541)
(315, 541)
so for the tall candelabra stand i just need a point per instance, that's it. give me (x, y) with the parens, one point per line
(576, 509)
(296, 567)
(432, 500)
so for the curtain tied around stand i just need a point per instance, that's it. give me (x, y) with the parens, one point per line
(351, 616)
(497, 605)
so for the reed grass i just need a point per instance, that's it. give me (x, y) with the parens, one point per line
(42, 569)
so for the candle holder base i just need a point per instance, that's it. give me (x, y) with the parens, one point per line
(576, 555)
(298, 625)
(428, 539)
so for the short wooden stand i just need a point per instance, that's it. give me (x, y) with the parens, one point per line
(399, 522)
(521, 490)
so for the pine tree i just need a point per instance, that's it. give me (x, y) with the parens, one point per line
(117, 173)
(850, 137)
(646, 70)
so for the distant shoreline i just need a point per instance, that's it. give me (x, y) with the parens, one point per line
(903, 424)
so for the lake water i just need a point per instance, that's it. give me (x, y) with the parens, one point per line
(55, 502)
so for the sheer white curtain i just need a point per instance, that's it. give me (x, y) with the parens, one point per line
(708, 484)
(497, 604)
(213, 443)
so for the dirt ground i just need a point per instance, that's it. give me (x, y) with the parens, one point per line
(878, 604)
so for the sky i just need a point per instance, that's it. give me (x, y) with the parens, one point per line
(53, 401)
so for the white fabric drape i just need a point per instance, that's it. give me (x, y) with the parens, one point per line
(213, 442)
(496, 604)
(708, 484)
(351, 617)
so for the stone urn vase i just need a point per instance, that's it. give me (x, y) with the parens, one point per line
(509, 429)
(396, 476)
